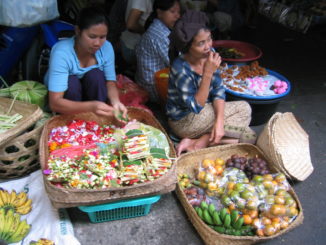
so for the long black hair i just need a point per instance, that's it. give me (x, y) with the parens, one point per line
(163, 5)
(90, 16)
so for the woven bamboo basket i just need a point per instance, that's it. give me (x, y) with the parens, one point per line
(286, 144)
(30, 112)
(187, 164)
(64, 198)
(19, 156)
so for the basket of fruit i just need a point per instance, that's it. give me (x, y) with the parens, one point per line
(233, 195)
(88, 160)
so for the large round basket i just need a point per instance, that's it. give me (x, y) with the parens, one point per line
(187, 164)
(64, 197)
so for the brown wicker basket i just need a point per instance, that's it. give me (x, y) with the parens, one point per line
(30, 112)
(187, 163)
(64, 198)
(19, 156)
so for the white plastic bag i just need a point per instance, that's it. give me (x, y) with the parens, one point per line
(18, 13)
(47, 222)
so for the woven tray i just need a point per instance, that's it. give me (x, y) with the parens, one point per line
(286, 144)
(64, 198)
(187, 163)
(30, 112)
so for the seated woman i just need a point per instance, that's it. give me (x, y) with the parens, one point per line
(152, 51)
(81, 75)
(195, 106)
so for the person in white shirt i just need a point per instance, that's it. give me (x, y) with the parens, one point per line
(137, 13)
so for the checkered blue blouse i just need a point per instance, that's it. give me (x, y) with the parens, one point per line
(183, 85)
(152, 55)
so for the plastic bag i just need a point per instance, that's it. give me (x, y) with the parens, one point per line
(17, 13)
(47, 222)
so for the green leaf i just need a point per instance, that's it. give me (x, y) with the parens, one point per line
(134, 132)
(114, 183)
(158, 153)
(135, 162)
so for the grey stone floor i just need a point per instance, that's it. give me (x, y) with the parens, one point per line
(301, 59)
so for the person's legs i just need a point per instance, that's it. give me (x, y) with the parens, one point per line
(74, 91)
(237, 118)
(94, 86)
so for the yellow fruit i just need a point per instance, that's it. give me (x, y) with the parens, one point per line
(212, 186)
(207, 163)
(278, 210)
(219, 162)
(201, 175)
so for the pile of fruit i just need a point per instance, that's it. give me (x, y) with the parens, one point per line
(12, 205)
(243, 188)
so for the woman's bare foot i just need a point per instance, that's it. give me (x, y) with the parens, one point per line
(185, 145)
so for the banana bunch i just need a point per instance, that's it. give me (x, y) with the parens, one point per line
(223, 222)
(12, 229)
(20, 203)
(42, 241)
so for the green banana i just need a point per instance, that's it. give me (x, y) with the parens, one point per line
(211, 209)
(219, 229)
(204, 205)
(223, 213)
(234, 216)
(216, 218)
(227, 221)
(237, 233)
(207, 217)
(238, 224)
(200, 212)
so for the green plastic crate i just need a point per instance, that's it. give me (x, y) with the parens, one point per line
(119, 210)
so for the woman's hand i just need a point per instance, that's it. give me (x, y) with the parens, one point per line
(119, 109)
(212, 63)
(102, 109)
(217, 133)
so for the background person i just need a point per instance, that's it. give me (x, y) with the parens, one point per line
(81, 75)
(152, 50)
(195, 106)
(136, 15)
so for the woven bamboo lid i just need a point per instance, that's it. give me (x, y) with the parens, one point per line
(286, 143)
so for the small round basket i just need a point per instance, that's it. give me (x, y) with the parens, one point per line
(19, 156)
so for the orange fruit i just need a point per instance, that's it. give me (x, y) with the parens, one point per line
(266, 221)
(278, 210)
(247, 219)
(260, 232)
(219, 169)
(269, 230)
(253, 213)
